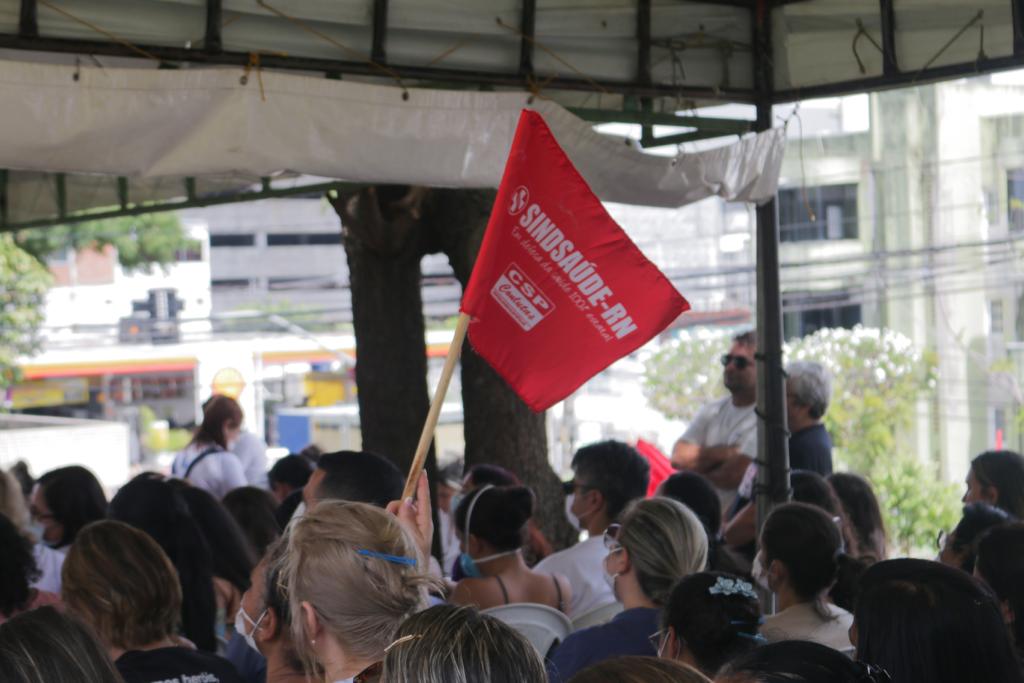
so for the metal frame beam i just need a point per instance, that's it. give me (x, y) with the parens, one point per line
(378, 51)
(213, 42)
(901, 79)
(156, 207)
(1017, 7)
(890, 67)
(469, 78)
(528, 27)
(28, 22)
(773, 437)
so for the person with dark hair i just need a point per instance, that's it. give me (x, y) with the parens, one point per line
(206, 462)
(63, 501)
(659, 542)
(923, 621)
(863, 514)
(292, 506)
(721, 441)
(639, 670)
(263, 626)
(696, 492)
(17, 573)
(798, 561)
(710, 619)
(807, 487)
(159, 509)
(289, 474)
(607, 476)
(959, 548)
(120, 582)
(491, 525)
(444, 644)
(355, 476)
(800, 661)
(233, 557)
(1000, 564)
(537, 545)
(46, 646)
(253, 508)
(997, 478)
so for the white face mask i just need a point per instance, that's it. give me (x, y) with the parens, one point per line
(573, 519)
(760, 572)
(240, 620)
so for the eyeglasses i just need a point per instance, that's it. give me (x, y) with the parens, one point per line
(611, 538)
(741, 362)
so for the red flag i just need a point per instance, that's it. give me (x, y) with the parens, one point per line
(661, 467)
(558, 292)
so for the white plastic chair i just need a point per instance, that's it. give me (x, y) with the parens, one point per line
(597, 616)
(543, 626)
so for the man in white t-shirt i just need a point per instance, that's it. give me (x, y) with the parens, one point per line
(721, 441)
(607, 476)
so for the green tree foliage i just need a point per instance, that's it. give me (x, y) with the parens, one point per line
(686, 373)
(141, 241)
(23, 286)
(878, 378)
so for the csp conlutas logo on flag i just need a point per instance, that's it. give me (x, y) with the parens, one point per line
(559, 291)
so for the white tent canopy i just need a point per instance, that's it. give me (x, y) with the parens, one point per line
(149, 123)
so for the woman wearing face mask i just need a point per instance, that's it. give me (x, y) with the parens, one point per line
(492, 527)
(263, 624)
(798, 561)
(122, 584)
(659, 542)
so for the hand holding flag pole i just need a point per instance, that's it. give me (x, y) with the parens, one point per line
(558, 291)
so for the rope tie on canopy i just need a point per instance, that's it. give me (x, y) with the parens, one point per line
(341, 46)
(863, 33)
(254, 63)
(103, 32)
(963, 29)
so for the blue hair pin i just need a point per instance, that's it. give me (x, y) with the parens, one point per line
(725, 586)
(393, 559)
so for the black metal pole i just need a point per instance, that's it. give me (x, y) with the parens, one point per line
(1017, 7)
(378, 51)
(528, 27)
(773, 436)
(213, 43)
(28, 23)
(890, 67)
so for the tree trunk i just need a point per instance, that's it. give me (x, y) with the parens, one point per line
(384, 245)
(499, 428)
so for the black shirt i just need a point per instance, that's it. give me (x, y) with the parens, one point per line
(175, 665)
(811, 449)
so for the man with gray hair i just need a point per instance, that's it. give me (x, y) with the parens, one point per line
(808, 390)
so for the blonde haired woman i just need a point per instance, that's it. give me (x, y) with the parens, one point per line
(658, 543)
(354, 573)
(447, 643)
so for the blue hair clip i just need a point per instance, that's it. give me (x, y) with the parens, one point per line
(725, 586)
(394, 559)
(756, 637)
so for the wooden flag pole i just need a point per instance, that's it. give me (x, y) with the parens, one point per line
(435, 407)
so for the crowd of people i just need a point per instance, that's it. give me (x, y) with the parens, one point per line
(318, 570)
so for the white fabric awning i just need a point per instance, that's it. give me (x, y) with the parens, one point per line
(147, 123)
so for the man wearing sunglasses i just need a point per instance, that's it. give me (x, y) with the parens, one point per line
(721, 441)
